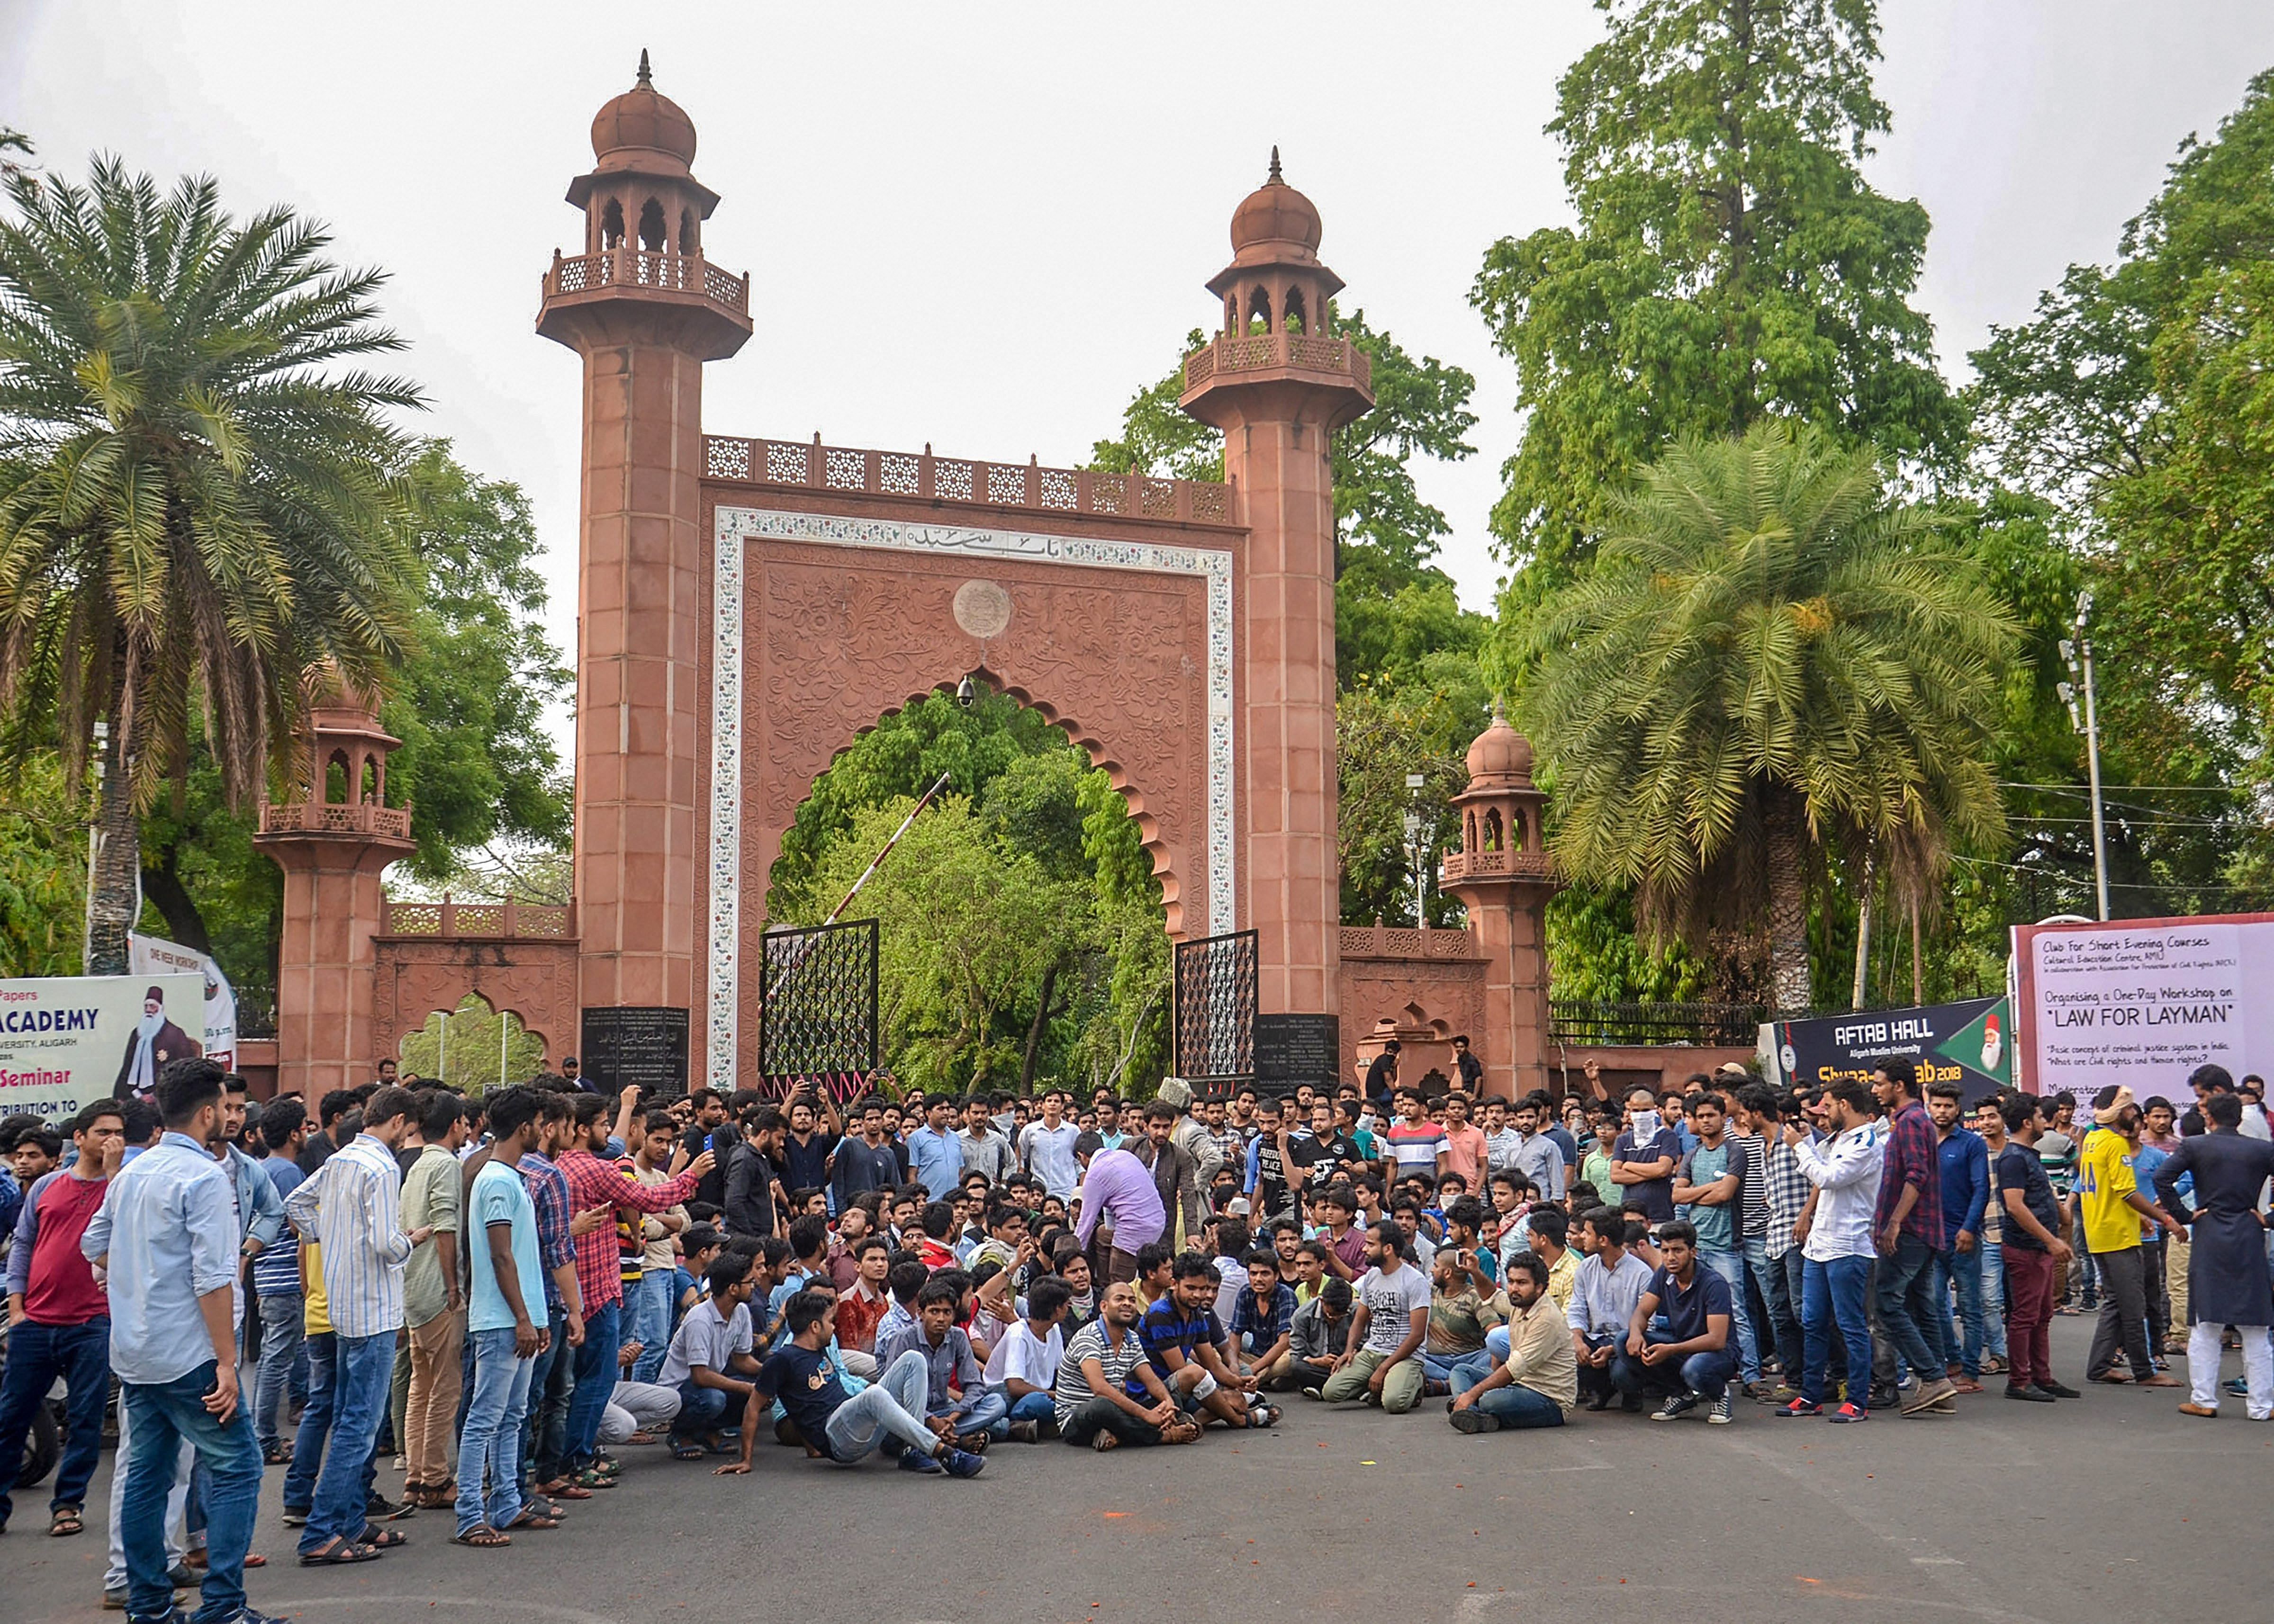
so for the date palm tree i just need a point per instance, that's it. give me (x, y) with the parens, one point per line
(1773, 664)
(197, 505)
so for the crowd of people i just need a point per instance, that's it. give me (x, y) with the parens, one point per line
(500, 1294)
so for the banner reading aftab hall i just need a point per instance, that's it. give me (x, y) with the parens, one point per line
(2143, 1002)
(1968, 1044)
(67, 1040)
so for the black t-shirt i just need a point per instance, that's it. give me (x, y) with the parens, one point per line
(1472, 1070)
(1322, 1158)
(1271, 1197)
(711, 1187)
(806, 1167)
(806, 1383)
(2020, 1168)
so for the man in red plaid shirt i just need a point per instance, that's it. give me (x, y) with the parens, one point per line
(596, 1182)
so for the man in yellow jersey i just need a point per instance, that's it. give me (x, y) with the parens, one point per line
(2111, 1206)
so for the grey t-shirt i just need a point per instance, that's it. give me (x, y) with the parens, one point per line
(707, 1339)
(1391, 1300)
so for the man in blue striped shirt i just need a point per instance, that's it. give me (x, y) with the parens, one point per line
(167, 1236)
(351, 1207)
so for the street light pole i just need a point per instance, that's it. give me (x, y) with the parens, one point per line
(94, 845)
(1417, 851)
(2081, 670)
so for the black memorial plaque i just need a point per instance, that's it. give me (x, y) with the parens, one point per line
(1298, 1048)
(636, 1043)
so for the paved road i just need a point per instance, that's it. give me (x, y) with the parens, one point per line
(2113, 1506)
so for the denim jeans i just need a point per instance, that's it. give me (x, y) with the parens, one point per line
(1776, 1281)
(281, 1319)
(1518, 1408)
(552, 1385)
(893, 1405)
(1832, 1292)
(37, 1354)
(1731, 1265)
(315, 1421)
(647, 1321)
(490, 1447)
(595, 1379)
(1906, 1292)
(1707, 1374)
(167, 1414)
(978, 1412)
(362, 1367)
(1990, 1279)
(1964, 1269)
(700, 1409)
(1030, 1407)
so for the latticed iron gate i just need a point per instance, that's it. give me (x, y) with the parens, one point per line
(817, 1006)
(1215, 1012)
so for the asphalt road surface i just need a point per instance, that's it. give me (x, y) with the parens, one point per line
(2113, 1507)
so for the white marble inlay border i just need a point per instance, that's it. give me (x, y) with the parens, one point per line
(733, 524)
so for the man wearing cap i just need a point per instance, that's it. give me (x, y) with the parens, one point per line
(153, 1041)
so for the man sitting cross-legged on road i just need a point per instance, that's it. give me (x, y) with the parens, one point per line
(1107, 1392)
(1538, 1382)
(848, 1427)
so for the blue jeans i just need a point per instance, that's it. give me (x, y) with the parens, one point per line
(1706, 1373)
(647, 1321)
(167, 1414)
(1776, 1281)
(1466, 1374)
(1518, 1408)
(362, 1366)
(1832, 1292)
(1964, 1271)
(700, 1409)
(1909, 1306)
(1985, 1330)
(37, 1354)
(978, 1412)
(1731, 1265)
(1032, 1407)
(491, 1445)
(891, 1406)
(281, 1319)
(595, 1379)
(315, 1421)
(545, 1430)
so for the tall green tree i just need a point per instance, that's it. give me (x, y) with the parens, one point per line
(2138, 403)
(195, 503)
(1771, 668)
(1729, 263)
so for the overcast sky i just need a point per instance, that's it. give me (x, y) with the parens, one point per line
(984, 226)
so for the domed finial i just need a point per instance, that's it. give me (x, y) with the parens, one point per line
(646, 80)
(1275, 165)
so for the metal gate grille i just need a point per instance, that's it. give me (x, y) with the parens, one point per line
(1214, 1040)
(817, 1004)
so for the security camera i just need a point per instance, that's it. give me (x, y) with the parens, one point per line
(967, 693)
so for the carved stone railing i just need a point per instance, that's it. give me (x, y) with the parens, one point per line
(319, 818)
(490, 921)
(1456, 866)
(1256, 353)
(1402, 942)
(640, 267)
(817, 466)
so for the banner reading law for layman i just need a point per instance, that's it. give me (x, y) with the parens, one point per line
(66, 1040)
(2144, 1001)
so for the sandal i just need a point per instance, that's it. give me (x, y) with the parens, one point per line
(688, 1452)
(566, 1489)
(531, 1517)
(65, 1523)
(278, 1454)
(337, 1553)
(483, 1537)
(590, 1479)
(1103, 1442)
(378, 1539)
(643, 1438)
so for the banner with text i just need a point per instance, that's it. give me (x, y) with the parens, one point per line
(157, 956)
(66, 1040)
(2143, 1002)
(1967, 1044)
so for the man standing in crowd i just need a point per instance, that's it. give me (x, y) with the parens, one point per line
(167, 1236)
(1846, 1170)
(935, 1155)
(507, 1291)
(1046, 1147)
(433, 1309)
(865, 1162)
(647, 1307)
(351, 1209)
(1643, 1157)
(1117, 1195)
(2111, 1206)
(1965, 1162)
(1175, 1174)
(58, 1318)
(985, 1148)
(2227, 1259)
(1908, 1225)
(1711, 1182)
(2035, 1256)
(282, 1374)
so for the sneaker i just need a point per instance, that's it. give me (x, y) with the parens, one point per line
(911, 1461)
(2058, 1390)
(1848, 1413)
(1785, 1394)
(1474, 1420)
(247, 1615)
(379, 1508)
(185, 1577)
(962, 1464)
(1929, 1395)
(296, 1516)
(1799, 1409)
(2239, 1386)
(1024, 1432)
(1676, 1404)
(1720, 1416)
(2028, 1396)
(1313, 1393)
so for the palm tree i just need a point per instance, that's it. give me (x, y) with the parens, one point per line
(197, 509)
(1773, 664)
